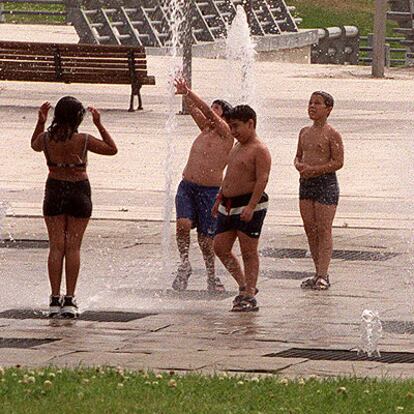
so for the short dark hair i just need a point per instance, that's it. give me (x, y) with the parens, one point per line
(327, 98)
(243, 113)
(225, 106)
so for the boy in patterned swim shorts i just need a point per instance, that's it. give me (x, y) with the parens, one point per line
(319, 154)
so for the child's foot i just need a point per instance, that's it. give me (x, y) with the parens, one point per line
(69, 308)
(245, 304)
(309, 283)
(214, 285)
(322, 283)
(55, 306)
(181, 280)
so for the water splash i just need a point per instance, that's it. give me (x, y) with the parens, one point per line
(176, 15)
(240, 53)
(371, 333)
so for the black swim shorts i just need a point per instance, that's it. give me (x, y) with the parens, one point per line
(72, 198)
(323, 189)
(229, 215)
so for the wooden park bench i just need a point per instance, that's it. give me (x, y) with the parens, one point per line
(76, 63)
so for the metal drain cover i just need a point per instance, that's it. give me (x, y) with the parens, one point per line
(24, 244)
(350, 255)
(24, 343)
(344, 355)
(398, 327)
(93, 316)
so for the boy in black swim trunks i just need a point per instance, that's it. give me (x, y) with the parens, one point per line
(241, 206)
(320, 153)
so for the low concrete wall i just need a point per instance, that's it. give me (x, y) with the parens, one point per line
(291, 47)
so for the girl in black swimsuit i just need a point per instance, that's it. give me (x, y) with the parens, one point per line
(67, 204)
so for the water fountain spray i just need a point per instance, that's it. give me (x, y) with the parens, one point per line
(240, 52)
(176, 13)
(371, 333)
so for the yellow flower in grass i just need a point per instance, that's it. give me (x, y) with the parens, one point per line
(48, 384)
(172, 383)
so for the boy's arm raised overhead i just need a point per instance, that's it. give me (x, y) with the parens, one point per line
(219, 124)
(263, 162)
(196, 114)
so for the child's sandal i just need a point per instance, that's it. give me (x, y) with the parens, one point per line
(321, 283)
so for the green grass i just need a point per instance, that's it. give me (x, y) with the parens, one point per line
(88, 391)
(34, 19)
(316, 14)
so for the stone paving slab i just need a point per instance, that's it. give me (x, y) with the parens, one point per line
(127, 267)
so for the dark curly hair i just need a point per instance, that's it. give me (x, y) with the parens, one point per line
(69, 113)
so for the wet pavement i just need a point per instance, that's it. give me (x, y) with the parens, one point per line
(131, 317)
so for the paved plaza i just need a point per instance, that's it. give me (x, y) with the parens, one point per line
(131, 317)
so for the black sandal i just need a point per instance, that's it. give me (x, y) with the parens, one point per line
(322, 283)
(309, 283)
(247, 304)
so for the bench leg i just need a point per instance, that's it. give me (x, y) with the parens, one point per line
(140, 108)
(131, 102)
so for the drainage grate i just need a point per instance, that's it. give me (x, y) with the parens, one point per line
(24, 343)
(336, 254)
(93, 316)
(24, 244)
(398, 327)
(344, 355)
(285, 274)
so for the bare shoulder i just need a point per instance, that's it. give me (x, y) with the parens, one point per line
(262, 150)
(304, 130)
(333, 133)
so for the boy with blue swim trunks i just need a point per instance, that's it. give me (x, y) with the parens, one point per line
(202, 178)
(320, 153)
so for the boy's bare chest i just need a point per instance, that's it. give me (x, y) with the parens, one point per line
(315, 143)
(242, 159)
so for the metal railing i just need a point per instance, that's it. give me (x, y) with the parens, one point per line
(395, 53)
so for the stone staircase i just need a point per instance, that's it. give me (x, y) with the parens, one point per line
(147, 22)
(402, 11)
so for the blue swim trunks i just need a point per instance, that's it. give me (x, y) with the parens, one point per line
(195, 202)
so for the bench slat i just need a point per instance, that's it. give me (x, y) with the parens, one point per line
(50, 58)
(34, 65)
(50, 53)
(77, 48)
(17, 75)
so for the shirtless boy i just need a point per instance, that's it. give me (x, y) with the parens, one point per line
(202, 177)
(319, 154)
(241, 206)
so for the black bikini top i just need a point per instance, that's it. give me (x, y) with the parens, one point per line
(63, 165)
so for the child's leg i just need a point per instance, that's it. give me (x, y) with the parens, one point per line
(250, 255)
(183, 229)
(324, 214)
(206, 247)
(56, 227)
(307, 211)
(223, 244)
